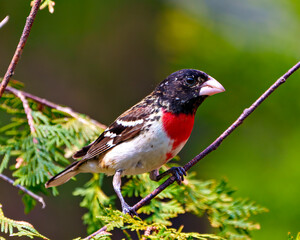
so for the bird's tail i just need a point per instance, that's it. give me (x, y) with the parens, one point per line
(65, 175)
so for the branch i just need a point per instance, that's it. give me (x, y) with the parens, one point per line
(26, 107)
(36, 197)
(100, 231)
(4, 21)
(213, 146)
(47, 103)
(148, 232)
(27, 28)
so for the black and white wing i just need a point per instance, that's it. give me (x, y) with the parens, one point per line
(124, 128)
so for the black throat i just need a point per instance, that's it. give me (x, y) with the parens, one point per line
(177, 106)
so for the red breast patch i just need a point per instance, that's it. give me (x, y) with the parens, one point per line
(178, 127)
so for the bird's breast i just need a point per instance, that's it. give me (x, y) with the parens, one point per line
(178, 127)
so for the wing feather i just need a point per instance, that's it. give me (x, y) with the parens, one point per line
(126, 127)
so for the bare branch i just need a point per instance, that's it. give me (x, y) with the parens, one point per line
(214, 145)
(148, 232)
(47, 103)
(4, 21)
(11, 68)
(27, 109)
(98, 232)
(33, 195)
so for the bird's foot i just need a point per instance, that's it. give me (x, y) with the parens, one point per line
(127, 209)
(178, 173)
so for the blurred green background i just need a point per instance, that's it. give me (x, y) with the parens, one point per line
(101, 57)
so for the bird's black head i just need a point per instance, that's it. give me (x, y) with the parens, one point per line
(183, 91)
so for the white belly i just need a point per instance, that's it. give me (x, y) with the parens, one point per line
(143, 153)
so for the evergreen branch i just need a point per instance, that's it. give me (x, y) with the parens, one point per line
(27, 28)
(4, 21)
(212, 146)
(25, 229)
(33, 195)
(66, 110)
(116, 219)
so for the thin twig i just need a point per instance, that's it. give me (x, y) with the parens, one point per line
(98, 232)
(4, 21)
(47, 103)
(148, 232)
(212, 146)
(27, 28)
(33, 195)
(27, 109)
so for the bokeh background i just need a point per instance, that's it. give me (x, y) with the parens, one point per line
(100, 57)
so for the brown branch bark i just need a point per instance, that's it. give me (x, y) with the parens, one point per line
(27, 28)
(33, 195)
(26, 107)
(148, 232)
(213, 146)
(47, 103)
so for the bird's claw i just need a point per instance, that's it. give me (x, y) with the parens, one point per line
(127, 209)
(178, 173)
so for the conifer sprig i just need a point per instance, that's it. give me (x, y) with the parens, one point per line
(25, 229)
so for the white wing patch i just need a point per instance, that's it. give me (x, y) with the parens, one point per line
(110, 134)
(130, 123)
(110, 143)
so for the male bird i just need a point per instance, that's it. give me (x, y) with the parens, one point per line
(147, 135)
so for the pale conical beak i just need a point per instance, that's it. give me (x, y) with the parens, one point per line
(211, 87)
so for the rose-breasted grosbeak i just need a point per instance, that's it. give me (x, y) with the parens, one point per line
(147, 135)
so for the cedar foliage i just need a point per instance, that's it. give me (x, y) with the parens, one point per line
(23, 228)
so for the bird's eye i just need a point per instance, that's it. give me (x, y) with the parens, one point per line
(190, 81)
